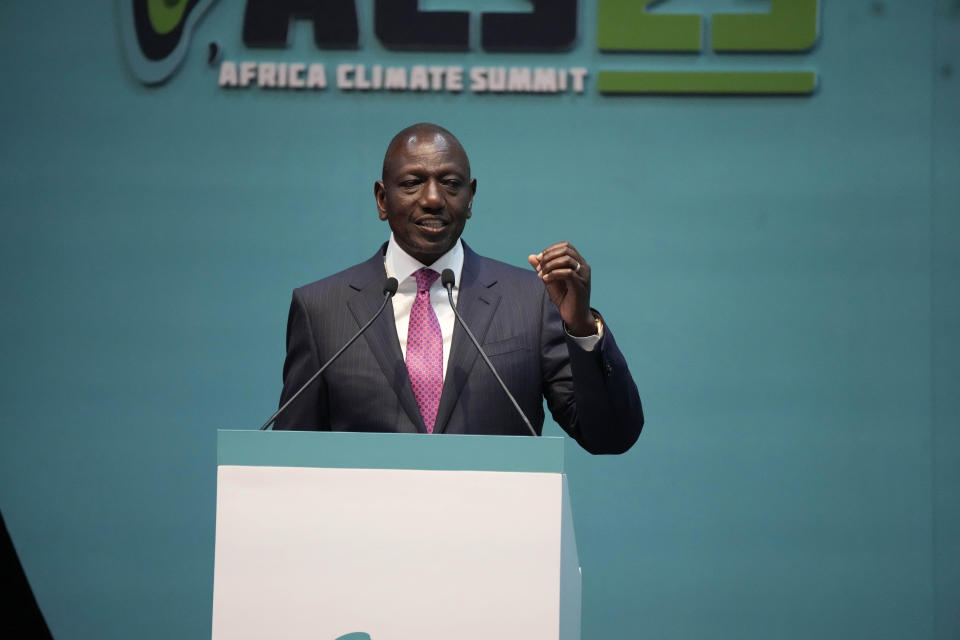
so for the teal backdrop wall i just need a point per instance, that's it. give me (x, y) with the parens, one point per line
(781, 273)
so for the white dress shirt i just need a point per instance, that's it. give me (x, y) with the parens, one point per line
(401, 265)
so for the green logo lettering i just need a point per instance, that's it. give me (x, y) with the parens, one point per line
(626, 25)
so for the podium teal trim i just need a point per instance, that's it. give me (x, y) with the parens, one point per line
(435, 452)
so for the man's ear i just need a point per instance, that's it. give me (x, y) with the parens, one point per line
(380, 195)
(473, 192)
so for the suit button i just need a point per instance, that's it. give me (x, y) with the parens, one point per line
(608, 368)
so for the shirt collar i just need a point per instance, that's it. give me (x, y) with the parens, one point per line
(401, 265)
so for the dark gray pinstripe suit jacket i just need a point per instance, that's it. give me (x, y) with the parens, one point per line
(590, 394)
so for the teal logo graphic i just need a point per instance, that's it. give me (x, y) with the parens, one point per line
(156, 34)
(359, 635)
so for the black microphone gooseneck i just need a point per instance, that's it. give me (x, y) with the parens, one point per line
(447, 279)
(389, 288)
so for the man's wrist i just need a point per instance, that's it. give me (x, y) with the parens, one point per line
(591, 327)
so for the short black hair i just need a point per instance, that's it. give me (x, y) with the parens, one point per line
(420, 127)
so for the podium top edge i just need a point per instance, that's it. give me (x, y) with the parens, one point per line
(431, 452)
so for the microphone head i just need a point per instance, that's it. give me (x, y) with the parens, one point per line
(447, 279)
(390, 287)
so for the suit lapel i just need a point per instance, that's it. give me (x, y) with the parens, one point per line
(382, 334)
(477, 301)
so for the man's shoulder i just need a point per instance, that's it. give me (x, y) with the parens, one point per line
(350, 279)
(516, 283)
(505, 273)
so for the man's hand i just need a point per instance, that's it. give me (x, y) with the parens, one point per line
(567, 278)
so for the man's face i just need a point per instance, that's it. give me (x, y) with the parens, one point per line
(426, 194)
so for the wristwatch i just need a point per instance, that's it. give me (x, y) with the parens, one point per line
(599, 321)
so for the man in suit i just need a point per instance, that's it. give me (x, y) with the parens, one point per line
(415, 370)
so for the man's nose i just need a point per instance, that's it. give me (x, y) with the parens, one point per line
(431, 196)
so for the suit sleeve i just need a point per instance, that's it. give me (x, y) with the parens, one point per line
(590, 394)
(308, 411)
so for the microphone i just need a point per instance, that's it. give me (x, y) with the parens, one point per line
(389, 289)
(447, 280)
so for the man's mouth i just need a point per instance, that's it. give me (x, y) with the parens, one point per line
(432, 225)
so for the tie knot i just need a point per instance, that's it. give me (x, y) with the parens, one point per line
(425, 279)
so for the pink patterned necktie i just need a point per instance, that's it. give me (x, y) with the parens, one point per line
(425, 350)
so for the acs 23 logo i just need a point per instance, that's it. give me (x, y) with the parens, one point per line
(157, 33)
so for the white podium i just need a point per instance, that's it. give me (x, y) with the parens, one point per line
(332, 536)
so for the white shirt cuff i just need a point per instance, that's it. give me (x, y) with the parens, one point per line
(587, 343)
